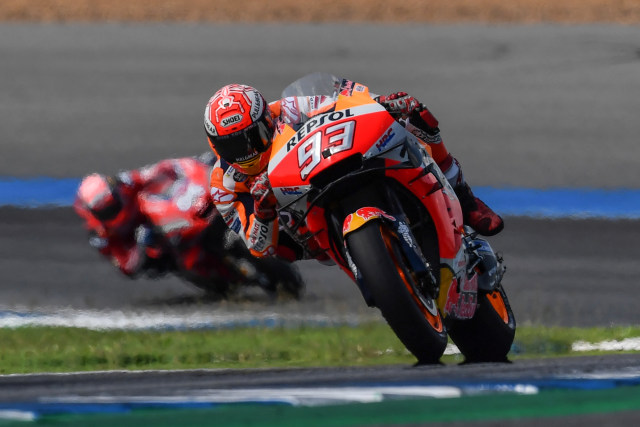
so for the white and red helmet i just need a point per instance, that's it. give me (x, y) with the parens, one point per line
(99, 195)
(239, 126)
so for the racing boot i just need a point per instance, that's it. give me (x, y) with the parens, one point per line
(475, 213)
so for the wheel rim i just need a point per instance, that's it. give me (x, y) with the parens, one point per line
(434, 319)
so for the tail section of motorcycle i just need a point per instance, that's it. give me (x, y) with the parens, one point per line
(488, 335)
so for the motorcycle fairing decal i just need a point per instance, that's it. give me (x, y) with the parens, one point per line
(323, 136)
(339, 137)
(357, 278)
(292, 197)
(404, 230)
(360, 217)
(458, 296)
(393, 136)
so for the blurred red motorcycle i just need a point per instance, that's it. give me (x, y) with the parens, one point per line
(167, 223)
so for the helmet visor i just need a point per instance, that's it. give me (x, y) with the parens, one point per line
(244, 145)
(108, 212)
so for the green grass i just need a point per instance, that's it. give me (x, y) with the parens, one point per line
(53, 349)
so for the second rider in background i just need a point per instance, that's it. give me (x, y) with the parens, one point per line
(160, 219)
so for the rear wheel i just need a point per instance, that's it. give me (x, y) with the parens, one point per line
(411, 313)
(488, 335)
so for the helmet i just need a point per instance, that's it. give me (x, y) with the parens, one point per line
(99, 195)
(238, 123)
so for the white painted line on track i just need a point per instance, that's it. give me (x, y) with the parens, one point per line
(15, 415)
(627, 344)
(117, 319)
(291, 396)
(316, 396)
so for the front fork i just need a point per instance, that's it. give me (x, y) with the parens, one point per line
(420, 268)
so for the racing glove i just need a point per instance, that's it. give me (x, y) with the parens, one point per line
(264, 205)
(399, 104)
(414, 115)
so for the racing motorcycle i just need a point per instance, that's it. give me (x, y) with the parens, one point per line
(198, 246)
(369, 195)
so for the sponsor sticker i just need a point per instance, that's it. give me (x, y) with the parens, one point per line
(236, 225)
(231, 120)
(461, 305)
(239, 176)
(256, 106)
(221, 196)
(290, 191)
(209, 127)
(368, 213)
(259, 237)
(316, 122)
(346, 88)
(384, 140)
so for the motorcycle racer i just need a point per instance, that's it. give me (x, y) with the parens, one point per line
(240, 125)
(117, 228)
(130, 221)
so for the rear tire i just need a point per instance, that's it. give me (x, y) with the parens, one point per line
(413, 316)
(488, 335)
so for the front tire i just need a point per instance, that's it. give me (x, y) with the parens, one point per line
(411, 314)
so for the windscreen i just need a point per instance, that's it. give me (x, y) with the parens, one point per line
(318, 83)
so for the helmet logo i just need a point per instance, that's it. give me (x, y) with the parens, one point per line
(256, 106)
(209, 127)
(226, 122)
(227, 100)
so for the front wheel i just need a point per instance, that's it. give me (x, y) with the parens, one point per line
(488, 335)
(412, 314)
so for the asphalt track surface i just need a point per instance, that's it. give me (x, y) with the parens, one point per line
(534, 106)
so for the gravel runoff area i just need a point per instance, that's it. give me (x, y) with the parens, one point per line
(312, 11)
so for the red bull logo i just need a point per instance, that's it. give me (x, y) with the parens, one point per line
(346, 225)
(368, 213)
(361, 217)
(461, 305)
